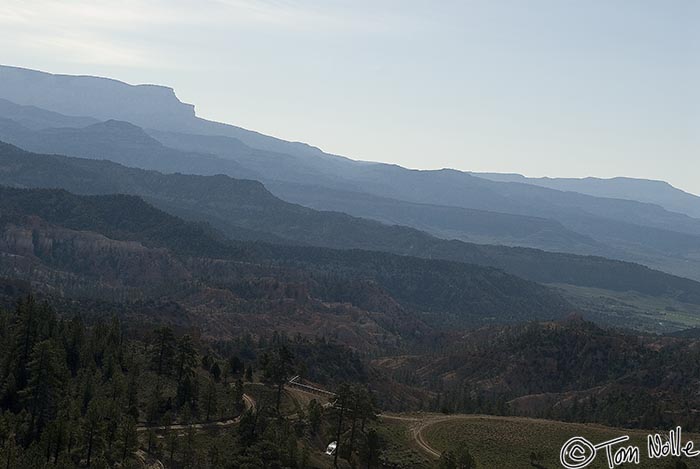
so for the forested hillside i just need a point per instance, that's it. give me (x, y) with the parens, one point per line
(570, 370)
(93, 245)
(245, 210)
(108, 394)
(349, 291)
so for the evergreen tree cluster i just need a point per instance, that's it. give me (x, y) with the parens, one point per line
(73, 395)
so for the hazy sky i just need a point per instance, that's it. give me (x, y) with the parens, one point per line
(540, 87)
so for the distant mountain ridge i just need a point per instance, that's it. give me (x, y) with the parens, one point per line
(36, 118)
(121, 142)
(144, 105)
(123, 146)
(643, 190)
(149, 106)
(245, 210)
(612, 227)
(127, 144)
(101, 98)
(130, 145)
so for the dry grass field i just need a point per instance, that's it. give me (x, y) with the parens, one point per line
(509, 442)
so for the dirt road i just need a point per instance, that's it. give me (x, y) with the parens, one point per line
(248, 401)
(418, 423)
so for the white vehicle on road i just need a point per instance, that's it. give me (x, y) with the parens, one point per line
(330, 451)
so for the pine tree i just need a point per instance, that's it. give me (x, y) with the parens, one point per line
(371, 449)
(153, 408)
(343, 395)
(186, 358)
(74, 344)
(215, 371)
(235, 366)
(277, 367)
(237, 395)
(163, 351)
(94, 427)
(211, 399)
(9, 452)
(315, 415)
(128, 438)
(132, 393)
(47, 374)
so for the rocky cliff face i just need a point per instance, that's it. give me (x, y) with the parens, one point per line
(96, 97)
(149, 106)
(222, 298)
(94, 258)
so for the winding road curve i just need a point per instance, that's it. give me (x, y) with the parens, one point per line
(416, 427)
(143, 458)
(419, 423)
(248, 401)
